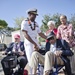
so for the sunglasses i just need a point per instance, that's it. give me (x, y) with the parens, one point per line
(16, 38)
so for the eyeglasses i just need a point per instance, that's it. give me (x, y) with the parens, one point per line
(16, 38)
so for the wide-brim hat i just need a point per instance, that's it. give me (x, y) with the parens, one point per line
(33, 11)
(51, 34)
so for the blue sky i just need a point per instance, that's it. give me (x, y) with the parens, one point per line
(10, 9)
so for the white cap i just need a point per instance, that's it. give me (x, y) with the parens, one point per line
(34, 11)
(50, 23)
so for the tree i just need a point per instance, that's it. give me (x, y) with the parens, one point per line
(56, 18)
(72, 20)
(10, 29)
(3, 24)
(18, 22)
(46, 18)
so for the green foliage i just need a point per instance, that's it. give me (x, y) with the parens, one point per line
(56, 18)
(18, 22)
(72, 20)
(10, 29)
(3, 24)
(46, 18)
(41, 40)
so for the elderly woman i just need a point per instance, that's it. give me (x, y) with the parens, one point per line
(65, 31)
(51, 26)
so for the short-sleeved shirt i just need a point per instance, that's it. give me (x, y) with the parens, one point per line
(32, 33)
(65, 32)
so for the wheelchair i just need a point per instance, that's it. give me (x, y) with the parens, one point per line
(10, 61)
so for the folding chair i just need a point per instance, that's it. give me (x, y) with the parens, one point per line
(56, 67)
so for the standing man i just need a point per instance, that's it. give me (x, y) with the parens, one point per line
(30, 30)
(66, 32)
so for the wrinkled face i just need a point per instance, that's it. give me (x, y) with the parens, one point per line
(32, 16)
(52, 40)
(63, 19)
(52, 26)
(17, 40)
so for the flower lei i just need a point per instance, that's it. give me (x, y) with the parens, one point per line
(33, 28)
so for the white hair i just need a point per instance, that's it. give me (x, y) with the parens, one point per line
(50, 23)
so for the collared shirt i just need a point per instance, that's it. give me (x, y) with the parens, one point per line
(31, 33)
(65, 33)
(53, 47)
(18, 47)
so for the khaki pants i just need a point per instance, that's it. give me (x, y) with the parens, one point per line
(48, 60)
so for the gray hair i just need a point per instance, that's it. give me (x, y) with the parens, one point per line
(51, 22)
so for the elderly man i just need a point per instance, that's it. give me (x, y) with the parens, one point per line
(16, 47)
(57, 50)
(30, 30)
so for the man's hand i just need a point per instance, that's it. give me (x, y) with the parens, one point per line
(21, 53)
(36, 48)
(58, 53)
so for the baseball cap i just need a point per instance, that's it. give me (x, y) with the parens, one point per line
(16, 36)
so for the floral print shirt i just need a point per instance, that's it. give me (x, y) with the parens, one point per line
(66, 33)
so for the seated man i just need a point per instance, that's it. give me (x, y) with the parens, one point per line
(16, 47)
(57, 50)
